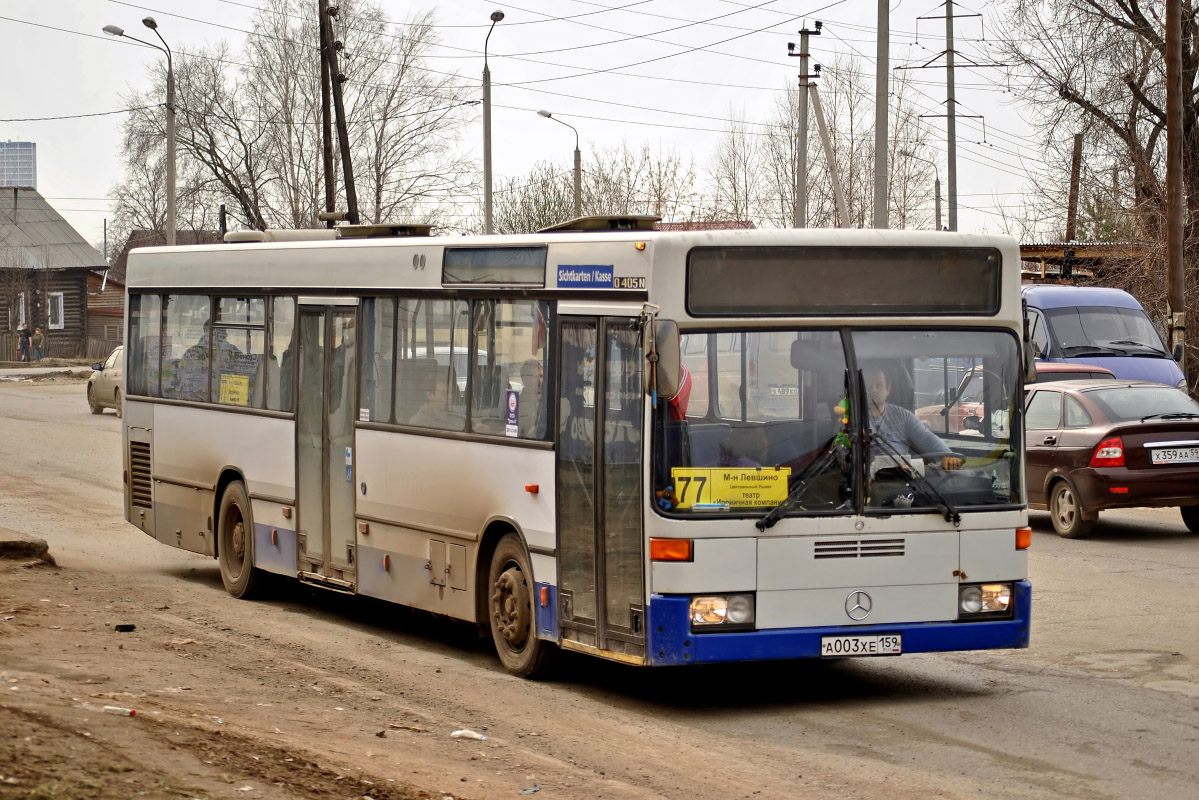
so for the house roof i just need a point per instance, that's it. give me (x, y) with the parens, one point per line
(35, 236)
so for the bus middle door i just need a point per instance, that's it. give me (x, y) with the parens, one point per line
(600, 550)
(325, 442)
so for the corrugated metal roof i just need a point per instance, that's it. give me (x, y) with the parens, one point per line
(35, 236)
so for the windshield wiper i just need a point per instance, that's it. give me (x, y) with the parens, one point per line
(828, 454)
(919, 482)
(1175, 415)
(1134, 343)
(1091, 350)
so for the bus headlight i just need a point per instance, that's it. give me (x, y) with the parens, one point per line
(984, 599)
(725, 611)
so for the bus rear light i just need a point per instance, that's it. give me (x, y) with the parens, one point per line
(545, 597)
(1108, 453)
(670, 550)
(1023, 538)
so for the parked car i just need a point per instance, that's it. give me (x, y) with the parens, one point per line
(104, 385)
(1099, 444)
(1101, 326)
(1071, 371)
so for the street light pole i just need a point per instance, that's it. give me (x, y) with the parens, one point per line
(496, 16)
(578, 163)
(149, 22)
(936, 185)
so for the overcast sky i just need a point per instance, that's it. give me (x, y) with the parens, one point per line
(669, 73)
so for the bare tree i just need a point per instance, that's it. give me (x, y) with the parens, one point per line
(616, 180)
(1097, 67)
(249, 125)
(735, 173)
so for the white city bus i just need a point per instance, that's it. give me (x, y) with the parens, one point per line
(653, 447)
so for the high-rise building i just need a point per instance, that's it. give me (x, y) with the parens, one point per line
(18, 164)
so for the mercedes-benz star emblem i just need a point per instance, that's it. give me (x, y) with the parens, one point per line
(858, 606)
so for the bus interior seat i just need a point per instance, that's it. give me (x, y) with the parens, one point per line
(417, 376)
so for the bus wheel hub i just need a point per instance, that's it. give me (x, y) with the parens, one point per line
(239, 540)
(510, 606)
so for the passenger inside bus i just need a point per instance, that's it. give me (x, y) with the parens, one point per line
(436, 411)
(531, 425)
(899, 427)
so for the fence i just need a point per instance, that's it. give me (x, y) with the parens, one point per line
(94, 350)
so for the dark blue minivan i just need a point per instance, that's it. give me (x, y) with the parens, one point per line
(1093, 325)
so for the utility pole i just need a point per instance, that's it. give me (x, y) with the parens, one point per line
(882, 64)
(951, 123)
(800, 217)
(838, 192)
(326, 118)
(1075, 174)
(951, 105)
(1175, 208)
(343, 134)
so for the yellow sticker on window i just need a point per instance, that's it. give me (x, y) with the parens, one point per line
(235, 390)
(732, 486)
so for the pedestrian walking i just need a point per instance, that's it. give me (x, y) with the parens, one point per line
(24, 337)
(39, 344)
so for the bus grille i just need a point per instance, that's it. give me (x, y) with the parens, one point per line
(139, 474)
(852, 548)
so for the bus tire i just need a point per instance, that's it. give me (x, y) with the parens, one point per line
(235, 541)
(1066, 512)
(118, 404)
(512, 612)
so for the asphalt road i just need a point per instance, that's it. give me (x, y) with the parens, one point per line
(1104, 704)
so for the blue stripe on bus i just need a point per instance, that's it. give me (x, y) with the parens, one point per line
(280, 557)
(547, 616)
(672, 642)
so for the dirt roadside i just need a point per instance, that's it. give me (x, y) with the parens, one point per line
(67, 670)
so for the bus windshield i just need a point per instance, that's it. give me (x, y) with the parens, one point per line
(774, 415)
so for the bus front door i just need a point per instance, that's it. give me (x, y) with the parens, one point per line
(600, 551)
(325, 446)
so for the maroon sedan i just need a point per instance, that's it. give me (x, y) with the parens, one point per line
(1100, 444)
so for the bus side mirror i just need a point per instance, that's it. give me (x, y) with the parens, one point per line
(670, 359)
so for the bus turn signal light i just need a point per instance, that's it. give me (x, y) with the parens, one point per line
(669, 549)
(532, 488)
(1023, 538)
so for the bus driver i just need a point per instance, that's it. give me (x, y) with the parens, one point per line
(899, 427)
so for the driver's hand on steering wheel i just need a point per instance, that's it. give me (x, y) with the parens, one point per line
(951, 462)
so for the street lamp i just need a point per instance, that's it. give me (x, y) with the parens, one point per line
(149, 22)
(578, 163)
(496, 16)
(937, 185)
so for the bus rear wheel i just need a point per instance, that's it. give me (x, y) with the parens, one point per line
(513, 616)
(235, 541)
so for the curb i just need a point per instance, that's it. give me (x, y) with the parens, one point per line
(19, 547)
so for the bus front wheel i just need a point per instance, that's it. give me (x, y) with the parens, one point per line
(513, 616)
(235, 541)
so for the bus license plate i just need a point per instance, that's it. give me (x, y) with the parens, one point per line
(839, 646)
(1175, 455)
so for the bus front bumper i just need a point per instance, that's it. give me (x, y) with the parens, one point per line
(672, 642)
